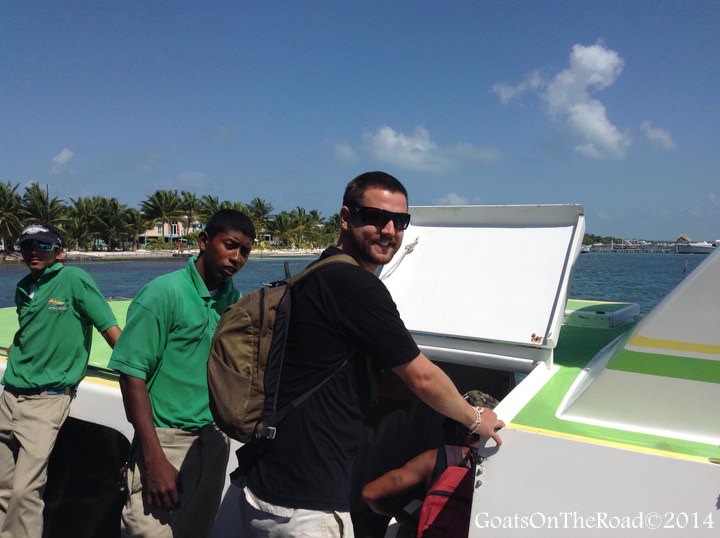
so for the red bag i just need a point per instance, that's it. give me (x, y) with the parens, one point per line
(445, 512)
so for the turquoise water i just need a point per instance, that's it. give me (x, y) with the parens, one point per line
(640, 278)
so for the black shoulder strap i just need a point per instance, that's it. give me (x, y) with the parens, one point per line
(469, 459)
(441, 463)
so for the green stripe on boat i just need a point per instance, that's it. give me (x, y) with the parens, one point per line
(666, 365)
(577, 346)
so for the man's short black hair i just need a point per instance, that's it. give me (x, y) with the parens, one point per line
(355, 190)
(230, 219)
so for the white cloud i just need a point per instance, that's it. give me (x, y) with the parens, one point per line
(345, 153)
(452, 198)
(507, 93)
(192, 179)
(61, 159)
(418, 151)
(569, 97)
(414, 152)
(658, 136)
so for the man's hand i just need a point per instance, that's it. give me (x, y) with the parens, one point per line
(161, 487)
(489, 425)
(162, 484)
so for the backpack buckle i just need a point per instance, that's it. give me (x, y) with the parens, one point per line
(269, 432)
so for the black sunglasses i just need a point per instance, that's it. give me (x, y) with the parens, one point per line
(41, 246)
(380, 217)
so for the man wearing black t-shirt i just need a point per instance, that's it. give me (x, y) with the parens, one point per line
(300, 486)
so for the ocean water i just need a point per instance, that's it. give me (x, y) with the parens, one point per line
(125, 278)
(639, 278)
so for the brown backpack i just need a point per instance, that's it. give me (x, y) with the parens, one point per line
(246, 359)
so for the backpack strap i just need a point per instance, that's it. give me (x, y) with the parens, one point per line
(451, 455)
(268, 429)
(336, 258)
(441, 459)
(469, 459)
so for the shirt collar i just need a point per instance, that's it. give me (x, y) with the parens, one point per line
(200, 285)
(49, 272)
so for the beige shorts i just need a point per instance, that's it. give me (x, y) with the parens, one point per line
(201, 458)
(29, 425)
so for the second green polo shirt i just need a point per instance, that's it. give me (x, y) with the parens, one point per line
(166, 342)
(56, 315)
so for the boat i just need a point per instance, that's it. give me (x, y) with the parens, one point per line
(584, 249)
(612, 425)
(695, 247)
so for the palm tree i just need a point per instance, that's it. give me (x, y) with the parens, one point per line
(163, 207)
(259, 211)
(136, 226)
(332, 224)
(80, 224)
(330, 231)
(313, 227)
(237, 206)
(305, 230)
(190, 204)
(10, 225)
(209, 205)
(315, 217)
(111, 222)
(38, 207)
(281, 227)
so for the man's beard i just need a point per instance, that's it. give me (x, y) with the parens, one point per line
(364, 250)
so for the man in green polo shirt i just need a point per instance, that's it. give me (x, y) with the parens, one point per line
(177, 467)
(57, 308)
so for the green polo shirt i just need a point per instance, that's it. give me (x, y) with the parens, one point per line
(51, 348)
(166, 342)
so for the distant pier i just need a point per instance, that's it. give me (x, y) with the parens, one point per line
(639, 247)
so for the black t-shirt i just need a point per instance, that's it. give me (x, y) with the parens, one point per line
(340, 312)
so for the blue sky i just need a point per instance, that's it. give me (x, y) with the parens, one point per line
(614, 105)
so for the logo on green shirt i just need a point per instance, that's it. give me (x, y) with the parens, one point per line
(57, 305)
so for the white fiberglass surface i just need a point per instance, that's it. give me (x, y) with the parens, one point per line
(656, 405)
(685, 323)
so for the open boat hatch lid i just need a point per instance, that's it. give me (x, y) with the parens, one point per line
(486, 285)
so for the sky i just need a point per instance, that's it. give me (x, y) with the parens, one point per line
(613, 105)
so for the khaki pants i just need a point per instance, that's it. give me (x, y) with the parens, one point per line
(28, 429)
(260, 519)
(201, 459)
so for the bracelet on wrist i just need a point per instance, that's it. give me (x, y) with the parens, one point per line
(475, 426)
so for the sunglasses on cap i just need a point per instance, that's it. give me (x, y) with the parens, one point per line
(41, 246)
(380, 217)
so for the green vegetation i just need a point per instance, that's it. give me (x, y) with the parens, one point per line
(590, 239)
(91, 223)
